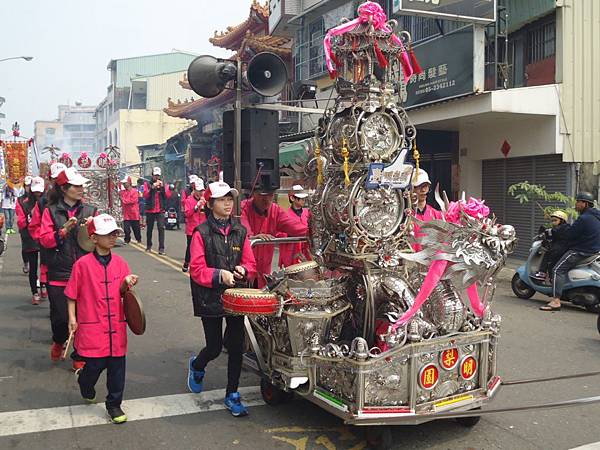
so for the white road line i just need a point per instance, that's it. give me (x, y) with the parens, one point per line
(63, 417)
(592, 446)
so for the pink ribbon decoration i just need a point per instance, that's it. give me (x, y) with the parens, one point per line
(84, 155)
(367, 12)
(476, 306)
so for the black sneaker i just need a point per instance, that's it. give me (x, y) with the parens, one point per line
(148, 249)
(116, 414)
(185, 267)
(161, 251)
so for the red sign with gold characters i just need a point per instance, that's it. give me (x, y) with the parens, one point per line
(449, 358)
(15, 161)
(468, 367)
(429, 376)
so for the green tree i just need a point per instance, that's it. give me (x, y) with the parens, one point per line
(526, 192)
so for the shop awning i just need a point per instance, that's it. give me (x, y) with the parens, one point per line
(290, 153)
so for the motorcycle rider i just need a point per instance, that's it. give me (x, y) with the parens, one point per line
(556, 236)
(583, 241)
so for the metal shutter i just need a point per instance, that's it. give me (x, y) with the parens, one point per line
(499, 174)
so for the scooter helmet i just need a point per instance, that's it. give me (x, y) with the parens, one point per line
(560, 215)
(585, 197)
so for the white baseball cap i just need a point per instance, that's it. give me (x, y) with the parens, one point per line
(422, 178)
(102, 225)
(198, 184)
(156, 171)
(220, 189)
(71, 176)
(192, 178)
(56, 168)
(27, 180)
(37, 184)
(298, 191)
(126, 179)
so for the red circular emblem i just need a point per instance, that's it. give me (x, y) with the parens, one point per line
(102, 162)
(84, 162)
(429, 376)
(449, 358)
(66, 160)
(468, 367)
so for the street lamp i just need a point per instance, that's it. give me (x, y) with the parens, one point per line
(26, 58)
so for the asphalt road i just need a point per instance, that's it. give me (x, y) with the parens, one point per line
(534, 344)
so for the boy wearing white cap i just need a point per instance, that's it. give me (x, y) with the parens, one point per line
(96, 315)
(221, 256)
(424, 212)
(294, 253)
(130, 207)
(156, 195)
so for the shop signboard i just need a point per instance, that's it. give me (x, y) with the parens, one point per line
(447, 63)
(480, 11)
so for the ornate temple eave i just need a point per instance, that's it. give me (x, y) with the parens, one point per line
(257, 22)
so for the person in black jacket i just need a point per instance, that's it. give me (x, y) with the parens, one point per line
(556, 236)
(583, 240)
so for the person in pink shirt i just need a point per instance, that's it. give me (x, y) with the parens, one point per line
(131, 211)
(264, 219)
(221, 257)
(36, 222)
(30, 246)
(423, 212)
(188, 190)
(193, 208)
(156, 195)
(96, 315)
(294, 253)
(58, 235)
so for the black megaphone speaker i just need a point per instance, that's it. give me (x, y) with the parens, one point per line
(208, 75)
(266, 74)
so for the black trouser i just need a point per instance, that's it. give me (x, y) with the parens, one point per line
(128, 225)
(233, 341)
(59, 317)
(115, 378)
(159, 218)
(24, 256)
(561, 270)
(32, 259)
(550, 259)
(188, 255)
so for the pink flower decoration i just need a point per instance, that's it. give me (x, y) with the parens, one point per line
(103, 155)
(84, 155)
(474, 207)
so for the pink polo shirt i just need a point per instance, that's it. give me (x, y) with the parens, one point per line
(291, 253)
(130, 204)
(428, 214)
(101, 330)
(192, 218)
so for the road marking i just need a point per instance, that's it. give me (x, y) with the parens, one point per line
(172, 263)
(592, 446)
(77, 416)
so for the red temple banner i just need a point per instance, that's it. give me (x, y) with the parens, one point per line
(15, 162)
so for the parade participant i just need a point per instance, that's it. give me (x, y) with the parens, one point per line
(583, 241)
(174, 202)
(58, 233)
(29, 246)
(141, 201)
(264, 219)
(99, 326)
(9, 204)
(156, 195)
(26, 191)
(194, 216)
(221, 255)
(131, 211)
(424, 212)
(36, 221)
(294, 253)
(556, 238)
(188, 190)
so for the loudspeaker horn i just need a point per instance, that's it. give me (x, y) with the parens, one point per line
(266, 74)
(208, 75)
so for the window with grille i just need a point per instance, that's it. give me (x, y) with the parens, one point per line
(541, 42)
(309, 60)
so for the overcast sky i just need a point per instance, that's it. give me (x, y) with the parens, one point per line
(72, 41)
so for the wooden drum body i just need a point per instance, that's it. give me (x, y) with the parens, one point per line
(250, 302)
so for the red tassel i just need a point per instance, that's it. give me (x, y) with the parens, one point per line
(406, 67)
(335, 60)
(383, 63)
(414, 62)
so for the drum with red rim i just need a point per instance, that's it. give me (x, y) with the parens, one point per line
(250, 302)
(306, 270)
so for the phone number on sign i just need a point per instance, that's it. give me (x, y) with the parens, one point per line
(436, 87)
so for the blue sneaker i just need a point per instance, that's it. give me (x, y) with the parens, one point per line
(195, 377)
(233, 402)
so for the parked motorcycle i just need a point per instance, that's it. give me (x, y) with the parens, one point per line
(582, 287)
(171, 219)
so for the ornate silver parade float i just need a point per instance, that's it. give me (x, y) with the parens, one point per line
(370, 330)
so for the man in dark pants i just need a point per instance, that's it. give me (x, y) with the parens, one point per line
(583, 240)
(156, 194)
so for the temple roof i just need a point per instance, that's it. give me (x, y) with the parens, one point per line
(190, 109)
(257, 22)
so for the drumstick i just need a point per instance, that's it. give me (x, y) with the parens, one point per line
(67, 346)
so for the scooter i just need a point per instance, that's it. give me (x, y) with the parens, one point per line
(171, 220)
(582, 287)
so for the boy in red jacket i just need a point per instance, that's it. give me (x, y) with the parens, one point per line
(131, 211)
(193, 208)
(98, 281)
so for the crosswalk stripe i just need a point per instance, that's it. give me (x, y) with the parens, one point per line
(77, 416)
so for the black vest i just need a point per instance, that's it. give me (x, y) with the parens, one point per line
(221, 252)
(27, 242)
(162, 198)
(60, 260)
